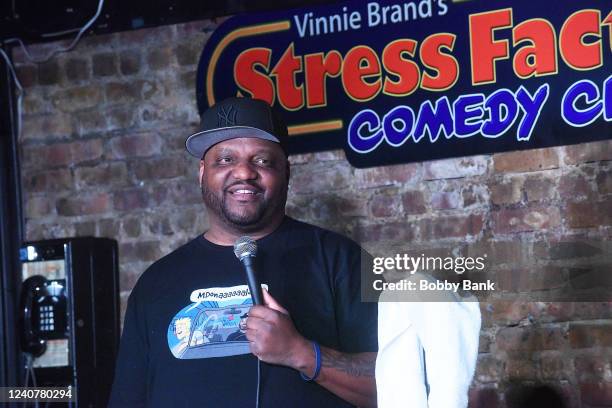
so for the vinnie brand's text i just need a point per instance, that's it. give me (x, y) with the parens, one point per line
(311, 25)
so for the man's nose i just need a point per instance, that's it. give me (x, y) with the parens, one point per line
(244, 171)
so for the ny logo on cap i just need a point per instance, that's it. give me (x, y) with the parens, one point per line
(226, 116)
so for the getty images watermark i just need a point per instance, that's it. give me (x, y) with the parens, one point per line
(419, 269)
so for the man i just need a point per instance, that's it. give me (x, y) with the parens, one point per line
(314, 338)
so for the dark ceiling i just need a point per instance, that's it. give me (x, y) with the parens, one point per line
(34, 20)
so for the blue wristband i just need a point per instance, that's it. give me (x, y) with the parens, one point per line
(317, 350)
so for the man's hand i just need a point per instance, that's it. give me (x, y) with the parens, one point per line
(273, 337)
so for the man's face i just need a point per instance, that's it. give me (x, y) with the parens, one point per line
(182, 327)
(244, 182)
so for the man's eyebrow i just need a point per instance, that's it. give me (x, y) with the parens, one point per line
(223, 150)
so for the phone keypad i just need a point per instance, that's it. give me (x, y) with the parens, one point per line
(47, 322)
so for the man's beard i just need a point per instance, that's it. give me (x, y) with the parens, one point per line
(218, 205)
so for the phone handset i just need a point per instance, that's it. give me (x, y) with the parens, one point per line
(31, 342)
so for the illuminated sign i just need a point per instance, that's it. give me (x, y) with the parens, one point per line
(393, 82)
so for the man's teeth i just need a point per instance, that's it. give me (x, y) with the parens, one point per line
(244, 192)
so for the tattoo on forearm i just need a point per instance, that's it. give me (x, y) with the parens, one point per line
(353, 364)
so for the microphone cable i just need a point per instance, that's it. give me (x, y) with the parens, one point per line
(258, 383)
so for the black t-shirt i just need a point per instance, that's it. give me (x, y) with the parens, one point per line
(182, 346)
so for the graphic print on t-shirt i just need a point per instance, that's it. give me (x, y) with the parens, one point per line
(213, 325)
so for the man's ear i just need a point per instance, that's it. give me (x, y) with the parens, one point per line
(201, 172)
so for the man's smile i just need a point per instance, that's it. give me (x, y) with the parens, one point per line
(244, 192)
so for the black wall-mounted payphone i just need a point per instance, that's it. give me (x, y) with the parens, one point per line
(69, 316)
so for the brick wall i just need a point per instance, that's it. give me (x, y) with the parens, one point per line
(102, 154)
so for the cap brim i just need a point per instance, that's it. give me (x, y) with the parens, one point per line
(198, 143)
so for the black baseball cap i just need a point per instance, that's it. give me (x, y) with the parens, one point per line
(237, 117)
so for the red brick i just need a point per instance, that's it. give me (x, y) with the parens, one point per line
(573, 249)
(352, 206)
(44, 127)
(87, 150)
(77, 69)
(77, 98)
(28, 75)
(445, 200)
(556, 366)
(451, 227)
(47, 156)
(85, 229)
(530, 339)
(91, 121)
(47, 181)
(136, 145)
(597, 394)
(532, 279)
(592, 310)
(38, 206)
(585, 335)
(484, 343)
(506, 192)
(129, 62)
(130, 199)
(604, 180)
(388, 175)
(104, 64)
(49, 73)
(106, 174)
(488, 368)
(546, 312)
(163, 167)
(95, 203)
(539, 189)
(455, 168)
(521, 369)
(188, 53)
(62, 154)
(588, 214)
(525, 219)
(307, 180)
(131, 227)
(128, 92)
(526, 160)
(480, 397)
(588, 152)
(396, 231)
(593, 368)
(160, 58)
(505, 312)
(183, 192)
(385, 205)
(413, 202)
(108, 228)
(573, 186)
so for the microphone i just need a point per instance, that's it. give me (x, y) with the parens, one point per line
(245, 249)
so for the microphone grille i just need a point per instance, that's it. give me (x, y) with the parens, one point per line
(245, 246)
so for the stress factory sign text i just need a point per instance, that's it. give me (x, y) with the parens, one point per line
(392, 82)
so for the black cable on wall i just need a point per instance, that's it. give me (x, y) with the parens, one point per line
(11, 230)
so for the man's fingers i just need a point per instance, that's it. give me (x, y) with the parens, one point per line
(272, 303)
(261, 312)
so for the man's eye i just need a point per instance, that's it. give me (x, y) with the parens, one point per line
(224, 160)
(263, 161)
